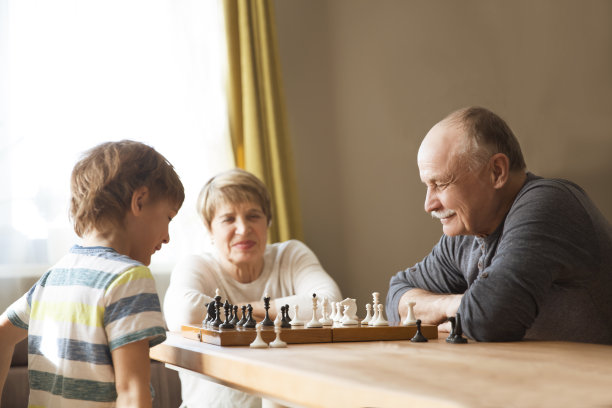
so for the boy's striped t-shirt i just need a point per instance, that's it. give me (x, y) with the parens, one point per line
(91, 302)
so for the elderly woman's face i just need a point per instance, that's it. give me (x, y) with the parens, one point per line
(240, 232)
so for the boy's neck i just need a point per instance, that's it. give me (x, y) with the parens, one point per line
(106, 239)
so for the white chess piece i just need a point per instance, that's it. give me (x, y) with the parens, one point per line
(375, 302)
(277, 342)
(410, 319)
(368, 315)
(325, 320)
(258, 342)
(349, 317)
(296, 320)
(217, 293)
(314, 322)
(338, 312)
(380, 321)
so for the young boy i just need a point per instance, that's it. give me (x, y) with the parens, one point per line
(91, 318)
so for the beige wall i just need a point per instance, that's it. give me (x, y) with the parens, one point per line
(365, 80)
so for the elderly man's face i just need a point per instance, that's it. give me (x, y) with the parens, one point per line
(460, 199)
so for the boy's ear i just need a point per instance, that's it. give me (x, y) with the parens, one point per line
(139, 199)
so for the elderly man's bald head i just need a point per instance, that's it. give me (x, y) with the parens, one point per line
(485, 134)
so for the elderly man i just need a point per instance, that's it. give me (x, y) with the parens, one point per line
(521, 256)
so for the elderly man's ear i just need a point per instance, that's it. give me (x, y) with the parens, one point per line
(500, 169)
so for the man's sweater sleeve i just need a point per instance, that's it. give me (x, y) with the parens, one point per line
(437, 273)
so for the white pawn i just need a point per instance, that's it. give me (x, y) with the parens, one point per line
(337, 313)
(277, 342)
(410, 319)
(368, 315)
(314, 322)
(258, 342)
(325, 320)
(380, 321)
(296, 320)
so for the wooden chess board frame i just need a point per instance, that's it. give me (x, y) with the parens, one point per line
(301, 334)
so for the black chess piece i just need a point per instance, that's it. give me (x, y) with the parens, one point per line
(418, 337)
(242, 321)
(284, 315)
(450, 337)
(227, 324)
(235, 319)
(459, 339)
(207, 319)
(267, 321)
(456, 335)
(287, 315)
(217, 322)
(250, 323)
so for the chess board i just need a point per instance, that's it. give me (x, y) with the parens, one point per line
(297, 335)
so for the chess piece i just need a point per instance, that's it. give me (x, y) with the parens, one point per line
(217, 322)
(284, 323)
(456, 334)
(210, 314)
(287, 317)
(227, 324)
(338, 312)
(235, 319)
(258, 342)
(277, 342)
(325, 320)
(451, 319)
(250, 323)
(380, 320)
(368, 317)
(267, 321)
(314, 322)
(243, 320)
(349, 317)
(296, 320)
(375, 302)
(410, 319)
(418, 337)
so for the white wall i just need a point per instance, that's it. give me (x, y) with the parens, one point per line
(365, 80)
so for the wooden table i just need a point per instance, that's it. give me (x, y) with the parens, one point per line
(401, 373)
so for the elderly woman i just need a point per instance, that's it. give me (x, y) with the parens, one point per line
(235, 207)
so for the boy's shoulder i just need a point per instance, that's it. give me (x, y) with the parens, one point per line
(97, 267)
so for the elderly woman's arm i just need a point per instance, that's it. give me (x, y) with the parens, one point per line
(188, 293)
(302, 272)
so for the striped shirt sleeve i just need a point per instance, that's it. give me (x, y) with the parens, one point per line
(132, 310)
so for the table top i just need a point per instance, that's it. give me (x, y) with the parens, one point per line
(401, 373)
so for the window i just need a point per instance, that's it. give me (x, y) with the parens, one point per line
(74, 73)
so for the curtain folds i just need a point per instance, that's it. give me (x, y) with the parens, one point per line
(258, 125)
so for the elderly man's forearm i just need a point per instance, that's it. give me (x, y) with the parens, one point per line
(430, 308)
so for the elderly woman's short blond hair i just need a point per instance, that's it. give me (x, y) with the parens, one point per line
(235, 186)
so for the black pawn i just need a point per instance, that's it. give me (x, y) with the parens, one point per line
(418, 337)
(217, 322)
(284, 315)
(450, 337)
(235, 319)
(250, 323)
(287, 314)
(267, 321)
(459, 339)
(227, 324)
(242, 321)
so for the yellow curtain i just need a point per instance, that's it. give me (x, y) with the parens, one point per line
(256, 108)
